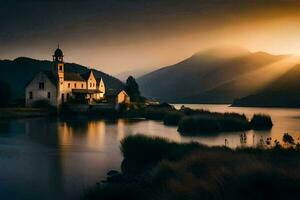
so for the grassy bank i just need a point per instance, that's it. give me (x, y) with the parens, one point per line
(22, 112)
(164, 170)
(197, 121)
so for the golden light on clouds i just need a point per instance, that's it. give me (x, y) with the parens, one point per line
(124, 36)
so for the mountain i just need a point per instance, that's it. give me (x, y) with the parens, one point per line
(136, 73)
(283, 92)
(17, 73)
(216, 75)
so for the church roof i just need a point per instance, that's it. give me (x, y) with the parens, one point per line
(72, 76)
(58, 53)
(85, 91)
(86, 75)
(51, 76)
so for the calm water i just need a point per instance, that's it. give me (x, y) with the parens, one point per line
(59, 159)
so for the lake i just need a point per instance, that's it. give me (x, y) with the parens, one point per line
(42, 158)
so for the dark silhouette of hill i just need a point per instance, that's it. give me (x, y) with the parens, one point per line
(214, 76)
(17, 73)
(283, 92)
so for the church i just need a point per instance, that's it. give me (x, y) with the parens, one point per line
(58, 87)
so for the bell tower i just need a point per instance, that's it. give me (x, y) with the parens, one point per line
(58, 64)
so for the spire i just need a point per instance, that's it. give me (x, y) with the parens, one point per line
(58, 54)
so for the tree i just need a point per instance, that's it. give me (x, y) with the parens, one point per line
(288, 139)
(5, 94)
(132, 89)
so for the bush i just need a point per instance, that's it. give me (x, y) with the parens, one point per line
(288, 139)
(161, 105)
(150, 149)
(153, 149)
(156, 113)
(213, 123)
(173, 118)
(261, 122)
(189, 111)
(198, 172)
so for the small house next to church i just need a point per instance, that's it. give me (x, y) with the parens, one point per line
(58, 87)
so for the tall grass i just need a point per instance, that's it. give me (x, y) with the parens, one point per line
(156, 113)
(173, 118)
(193, 171)
(154, 149)
(213, 123)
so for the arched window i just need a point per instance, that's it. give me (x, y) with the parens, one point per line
(62, 98)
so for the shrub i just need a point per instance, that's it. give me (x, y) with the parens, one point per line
(145, 149)
(212, 123)
(189, 111)
(161, 105)
(261, 122)
(288, 139)
(150, 149)
(191, 171)
(156, 113)
(173, 118)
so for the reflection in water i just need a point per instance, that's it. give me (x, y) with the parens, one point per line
(121, 129)
(59, 158)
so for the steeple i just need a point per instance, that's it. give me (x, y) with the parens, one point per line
(58, 55)
(58, 64)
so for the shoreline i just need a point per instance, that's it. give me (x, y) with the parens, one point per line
(23, 112)
(156, 167)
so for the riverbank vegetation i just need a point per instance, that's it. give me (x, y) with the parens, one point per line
(155, 168)
(197, 121)
(189, 121)
(21, 112)
(261, 122)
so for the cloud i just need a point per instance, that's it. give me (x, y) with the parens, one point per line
(135, 33)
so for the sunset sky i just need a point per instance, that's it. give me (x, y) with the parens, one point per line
(124, 35)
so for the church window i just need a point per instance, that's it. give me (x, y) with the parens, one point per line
(41, 85)
(63, 98)
(81, 85)
(30, 95)
(90, 84)
(74, 85)
(69, 85)
(68, 96)
(49, 95)
(60, 68)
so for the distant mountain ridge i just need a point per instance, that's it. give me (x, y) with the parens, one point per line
(217, 75)
(18, 72)
(284, 92)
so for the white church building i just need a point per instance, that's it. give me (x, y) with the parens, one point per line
(58, 87)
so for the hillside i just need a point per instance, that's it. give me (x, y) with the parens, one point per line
(213, 76)
(284, 92)
(18, 72)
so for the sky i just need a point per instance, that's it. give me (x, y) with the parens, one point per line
(116, 36)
